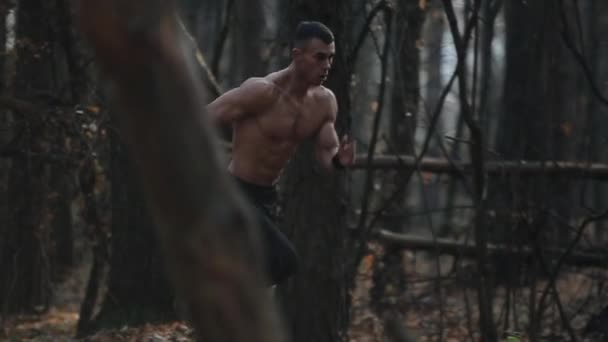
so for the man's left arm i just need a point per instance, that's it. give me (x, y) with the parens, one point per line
(331, 153)
(327, 146)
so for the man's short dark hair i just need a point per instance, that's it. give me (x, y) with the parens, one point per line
(307, 30)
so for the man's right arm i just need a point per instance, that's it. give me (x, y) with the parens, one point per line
(251, 97)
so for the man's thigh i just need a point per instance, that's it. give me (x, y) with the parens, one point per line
(281, 256)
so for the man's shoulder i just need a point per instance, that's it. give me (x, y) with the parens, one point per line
(260, 88)
(324, 95)
(261, 84)
(327, 99)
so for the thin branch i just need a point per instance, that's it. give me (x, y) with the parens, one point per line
(380, 6)
(210, 79)
(568, 253)
(369, 179)
(562, 314)
(432, 127)
(553, 289)
(486, 322)
(475, 110)
(221, 39)
(579, 28)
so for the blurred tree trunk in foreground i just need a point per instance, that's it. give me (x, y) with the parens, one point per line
(203, 224)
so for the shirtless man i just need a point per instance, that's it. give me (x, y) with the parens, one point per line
(270, 117)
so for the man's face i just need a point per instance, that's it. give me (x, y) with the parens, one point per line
(313, 60)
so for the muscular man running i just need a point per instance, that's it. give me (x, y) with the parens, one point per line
(270, 117)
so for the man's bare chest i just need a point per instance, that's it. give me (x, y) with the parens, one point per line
(290, 120)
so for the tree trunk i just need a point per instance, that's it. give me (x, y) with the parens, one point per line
(69, 89)
(389, 278)
(8, 48)
(406, 86)
(487, 87)
(317, 299)
(250, 40)
(61, 222)
(530, 129)
(598, 12)
(138, 290)
(531, 64)
(95, 194)
(25, 258)
(4, 10)
(6, 68)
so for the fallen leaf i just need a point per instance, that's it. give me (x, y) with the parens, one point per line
(567, 128)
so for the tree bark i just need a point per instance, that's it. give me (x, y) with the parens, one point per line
(25, 283)
(138, 290)
(250, 46)
(598, 12)
(317, 299)
(4, 9)
(530, 129)
(91, 176)
(68, 88)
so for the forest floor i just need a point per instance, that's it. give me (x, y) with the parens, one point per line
(60, 322)
(423, 314)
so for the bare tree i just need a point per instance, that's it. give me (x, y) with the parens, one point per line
(251, 49)
(389, 279)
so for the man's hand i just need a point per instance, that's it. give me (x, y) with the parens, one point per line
(346, 151)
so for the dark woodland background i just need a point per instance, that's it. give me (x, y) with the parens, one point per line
(476, 208)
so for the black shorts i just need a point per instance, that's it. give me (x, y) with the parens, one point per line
(280, 254)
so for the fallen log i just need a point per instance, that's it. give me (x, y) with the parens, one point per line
(492, 168)
(467, 249)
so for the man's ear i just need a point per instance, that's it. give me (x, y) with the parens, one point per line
(295, 52)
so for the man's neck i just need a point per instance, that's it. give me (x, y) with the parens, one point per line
(295, 87)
